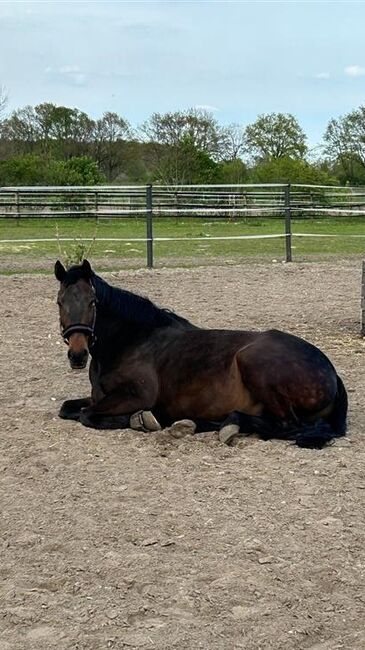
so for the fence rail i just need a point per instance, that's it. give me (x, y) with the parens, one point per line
(233, 202)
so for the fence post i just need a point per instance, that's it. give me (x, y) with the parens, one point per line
(362, 323)
(288, 251)
(96, 206)
(149, 225)
(17, 206)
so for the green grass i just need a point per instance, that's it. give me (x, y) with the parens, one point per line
(32, 255)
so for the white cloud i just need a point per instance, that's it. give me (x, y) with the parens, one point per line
(355, 71)
(322, 75)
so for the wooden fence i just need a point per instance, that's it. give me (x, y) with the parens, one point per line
(277, 201)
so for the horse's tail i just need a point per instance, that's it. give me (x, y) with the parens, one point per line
(337, 418)
(317, 434)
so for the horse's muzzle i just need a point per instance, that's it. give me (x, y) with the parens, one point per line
(78, 360)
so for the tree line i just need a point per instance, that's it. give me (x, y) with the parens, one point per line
(58, 145)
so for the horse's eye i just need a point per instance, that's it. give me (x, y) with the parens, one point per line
(92, 302)
(59, 303)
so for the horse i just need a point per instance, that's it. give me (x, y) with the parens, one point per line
(149, 359)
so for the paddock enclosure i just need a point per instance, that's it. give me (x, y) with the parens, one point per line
(125, 540)
(179, 225)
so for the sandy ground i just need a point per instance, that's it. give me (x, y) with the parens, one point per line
(128, 540)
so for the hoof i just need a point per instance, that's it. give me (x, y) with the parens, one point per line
(182, 428)
(144, 421)
(66, 414)
(227, 433)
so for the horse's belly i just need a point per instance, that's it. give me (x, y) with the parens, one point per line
(212, 400)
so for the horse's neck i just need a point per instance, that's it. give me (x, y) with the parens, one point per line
(125, 318)
(135, 309)
(113, 335)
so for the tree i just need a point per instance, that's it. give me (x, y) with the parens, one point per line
(55, 130)
(186, 164)
(233, 141)
(170, 129)
(63, 132)
(274, 136)
(108, 133)
(186, 145)
(21, 130)
(345, 144)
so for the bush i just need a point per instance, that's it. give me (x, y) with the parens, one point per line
(32, 169)
(232, 172)
(290, 170)
(22, 170)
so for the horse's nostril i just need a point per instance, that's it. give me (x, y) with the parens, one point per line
(77, 358)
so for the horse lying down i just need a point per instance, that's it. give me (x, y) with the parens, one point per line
(153, 365)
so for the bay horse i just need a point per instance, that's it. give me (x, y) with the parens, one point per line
(144, 358)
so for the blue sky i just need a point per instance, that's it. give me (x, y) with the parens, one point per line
(239, 58)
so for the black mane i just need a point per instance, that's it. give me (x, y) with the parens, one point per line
(132, 307)
(127, 305)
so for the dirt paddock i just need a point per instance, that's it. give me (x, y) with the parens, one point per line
(119, 539)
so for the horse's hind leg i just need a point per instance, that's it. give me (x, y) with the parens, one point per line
(242, 423)
(71, 408)
(229, 428)
(234, 424)
(202, 425)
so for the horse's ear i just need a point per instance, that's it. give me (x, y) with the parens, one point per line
(59, 271)
(86, 269)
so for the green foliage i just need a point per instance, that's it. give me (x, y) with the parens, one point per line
(274, 136)
(58, 145)
(186, 164)
(33, 169)
(22, 170)
(289, 170)
(75, 171)
(75, 255)
(346, 135)
(77, 252)
(345, 146)
(349, 170)
(232, 171)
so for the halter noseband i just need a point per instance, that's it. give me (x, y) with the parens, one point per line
(82, 329)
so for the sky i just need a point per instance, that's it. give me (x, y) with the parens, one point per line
(238, 59)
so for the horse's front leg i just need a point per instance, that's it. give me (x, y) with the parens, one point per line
(114, 410)
(71, 408)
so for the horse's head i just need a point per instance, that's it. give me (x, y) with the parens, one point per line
(77, 305)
